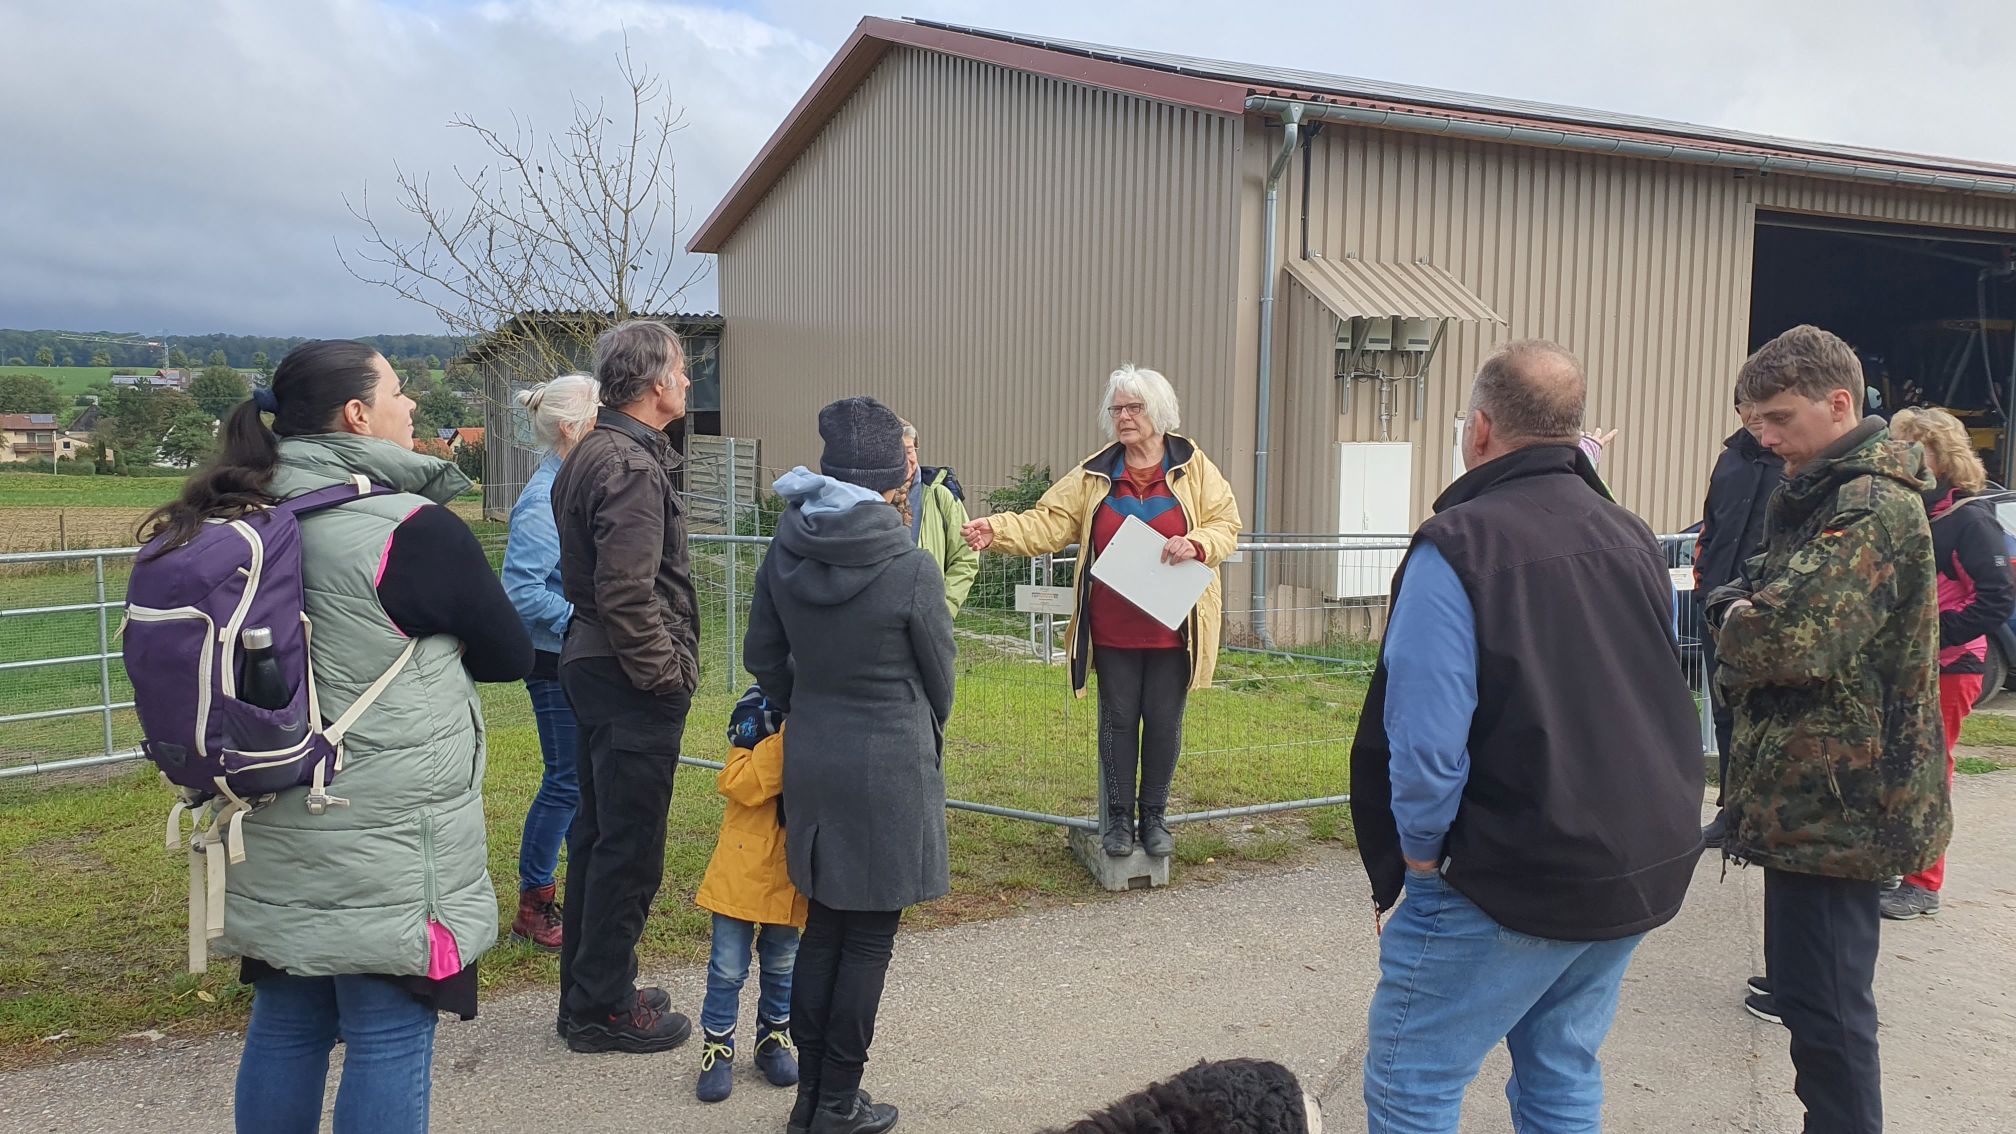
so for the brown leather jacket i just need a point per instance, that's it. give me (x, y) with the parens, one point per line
(624, 562)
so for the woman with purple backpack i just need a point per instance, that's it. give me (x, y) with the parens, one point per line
(363, 920)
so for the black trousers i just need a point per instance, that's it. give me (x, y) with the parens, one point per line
(836, 990)
(628, 749)
(1820, 944)
(1141, 698)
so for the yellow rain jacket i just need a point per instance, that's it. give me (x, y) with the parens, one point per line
(747, 878)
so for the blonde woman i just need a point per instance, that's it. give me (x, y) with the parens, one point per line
(1976, 594)
(1146, 670)
(562, 411)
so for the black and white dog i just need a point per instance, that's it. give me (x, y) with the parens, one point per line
(1232, 1096)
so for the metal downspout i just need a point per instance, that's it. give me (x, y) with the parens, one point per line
(1263, 428)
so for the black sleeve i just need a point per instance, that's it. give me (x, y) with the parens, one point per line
(766, 648)
(1984, 555)
(437, 580)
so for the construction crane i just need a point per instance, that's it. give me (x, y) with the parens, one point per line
(121, 340)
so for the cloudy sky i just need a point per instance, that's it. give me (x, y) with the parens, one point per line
(184, 166)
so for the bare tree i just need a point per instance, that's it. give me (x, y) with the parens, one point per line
(579, 227)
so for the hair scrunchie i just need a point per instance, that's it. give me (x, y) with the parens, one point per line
(264, 398)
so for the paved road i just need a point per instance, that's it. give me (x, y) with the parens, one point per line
(1012, 1025)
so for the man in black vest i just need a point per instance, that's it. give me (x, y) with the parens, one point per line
(1528, 767)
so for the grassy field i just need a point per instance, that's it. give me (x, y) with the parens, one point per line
(92, 948)
(71, 380)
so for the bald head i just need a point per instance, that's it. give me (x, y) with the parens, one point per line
(1533, 392)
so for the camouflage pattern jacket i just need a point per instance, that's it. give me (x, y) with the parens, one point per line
(1838, 763)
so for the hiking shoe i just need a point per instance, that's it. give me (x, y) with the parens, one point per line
(1716, 832)
(656, 997)
(1118, 841)
(863, 1117)
(1908, 903)
(638, 1028)
(538, 919)
(717, 1067)
(1155, 837)
(1761, 985)
(1764, 1008)
(776, 1055)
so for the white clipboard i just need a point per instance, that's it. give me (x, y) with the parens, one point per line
(1132, 565)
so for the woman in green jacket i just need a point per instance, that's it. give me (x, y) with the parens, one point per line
(362, 923)
(933, 509)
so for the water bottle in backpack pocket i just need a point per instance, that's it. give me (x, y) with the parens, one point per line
(217, 646)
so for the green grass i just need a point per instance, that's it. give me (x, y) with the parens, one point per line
(48, 490)
(73, 380)
(93, 944)
(1985, 730)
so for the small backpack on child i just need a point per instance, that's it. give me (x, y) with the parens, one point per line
(189, 611)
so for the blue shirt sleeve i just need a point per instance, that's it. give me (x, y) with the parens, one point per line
(532, 562)
(1431, 696)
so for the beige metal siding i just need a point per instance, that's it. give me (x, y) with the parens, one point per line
(1870, 202)
(979, 248)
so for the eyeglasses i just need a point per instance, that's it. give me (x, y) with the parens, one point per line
(1131, 409)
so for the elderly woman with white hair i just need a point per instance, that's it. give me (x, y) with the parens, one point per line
(562, 412)
(1146, 670)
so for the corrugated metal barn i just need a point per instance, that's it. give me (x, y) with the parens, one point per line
(977, 227)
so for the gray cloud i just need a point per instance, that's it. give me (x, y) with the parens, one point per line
(184, 166)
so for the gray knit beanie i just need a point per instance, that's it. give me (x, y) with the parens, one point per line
(864, 444)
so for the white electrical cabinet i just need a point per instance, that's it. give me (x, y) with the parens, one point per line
(1375, 489)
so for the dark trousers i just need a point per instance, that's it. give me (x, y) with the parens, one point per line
(836, 989)
(628, 748)
(1141, 699)
(1820, 943)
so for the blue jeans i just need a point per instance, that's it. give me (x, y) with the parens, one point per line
(388, 1054)
(552, 810)
(729, 967)
(1452, 983)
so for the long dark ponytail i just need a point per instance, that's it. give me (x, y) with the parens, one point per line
(310, 388)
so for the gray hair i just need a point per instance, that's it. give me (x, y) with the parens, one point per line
(634, 356)
(909, 431)
(568, 400)
(1533, 391)
(1158, 398)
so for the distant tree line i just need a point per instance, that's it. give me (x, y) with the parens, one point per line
(47, 348)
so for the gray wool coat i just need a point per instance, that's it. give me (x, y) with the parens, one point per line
(849, 634)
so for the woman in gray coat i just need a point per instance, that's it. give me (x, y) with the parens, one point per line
(849, 635)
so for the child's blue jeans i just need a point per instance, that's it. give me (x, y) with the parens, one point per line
(728, 968)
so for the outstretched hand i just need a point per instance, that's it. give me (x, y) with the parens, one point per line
(978, 534)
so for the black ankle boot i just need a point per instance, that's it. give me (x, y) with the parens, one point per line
(1118, 840)
(863, 1117)
(1155, 836)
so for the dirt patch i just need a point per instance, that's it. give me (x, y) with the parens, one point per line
(70, 856)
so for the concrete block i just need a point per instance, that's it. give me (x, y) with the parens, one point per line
(1135, 872)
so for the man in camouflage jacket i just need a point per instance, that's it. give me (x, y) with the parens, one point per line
(1830, 662)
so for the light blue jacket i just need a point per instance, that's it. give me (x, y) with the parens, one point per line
(532, 562)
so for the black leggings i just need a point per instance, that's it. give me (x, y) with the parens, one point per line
(836, 990)
(1141, 699)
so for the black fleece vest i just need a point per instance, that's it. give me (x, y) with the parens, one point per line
(1581, 817)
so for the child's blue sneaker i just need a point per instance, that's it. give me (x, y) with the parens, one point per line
(776, 1056)
(717, 1066)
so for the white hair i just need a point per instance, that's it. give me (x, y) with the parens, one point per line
(569, 400)
(1155, 393)
(909, 430)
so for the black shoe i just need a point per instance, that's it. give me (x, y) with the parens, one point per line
(656, 997)
(1764, 1008)
(1155, 837)
(1118, 840)
(863, 1117)
(1761, 985)
(1716, 832)
(800, 1121)
(638, 1028)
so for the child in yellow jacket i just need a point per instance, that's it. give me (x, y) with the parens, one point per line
(750, 894)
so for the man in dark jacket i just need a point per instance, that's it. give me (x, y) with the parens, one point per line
(630, 664)
(1527, 766)
(1732, 529)
(1829, 659)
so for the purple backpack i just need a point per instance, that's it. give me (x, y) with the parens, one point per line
(185, 612)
